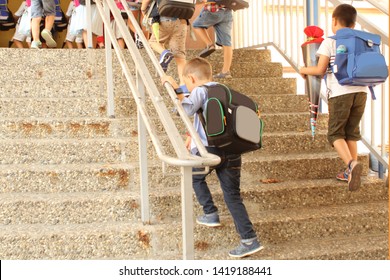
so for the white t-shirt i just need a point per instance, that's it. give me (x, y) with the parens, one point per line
(70, 9)
(328, 48)
(21, 9)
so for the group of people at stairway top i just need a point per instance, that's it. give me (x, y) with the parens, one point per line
(38, 24)
(38, 21)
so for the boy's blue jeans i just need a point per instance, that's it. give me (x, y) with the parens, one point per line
(229, 173)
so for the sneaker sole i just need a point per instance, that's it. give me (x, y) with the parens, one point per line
(343, 180)
(355, 182)
(208, 224)
(247, 253)
(207, 53)
(50, 42)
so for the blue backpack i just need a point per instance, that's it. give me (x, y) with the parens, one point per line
(358, 60)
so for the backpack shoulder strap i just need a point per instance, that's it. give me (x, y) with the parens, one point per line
(200, 111)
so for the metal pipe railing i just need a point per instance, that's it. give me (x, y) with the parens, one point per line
(145, 81)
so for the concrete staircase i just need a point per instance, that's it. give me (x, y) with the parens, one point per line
(69, 175)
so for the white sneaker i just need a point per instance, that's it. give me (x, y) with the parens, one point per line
(50, 42)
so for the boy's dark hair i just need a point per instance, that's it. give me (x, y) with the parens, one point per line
(345, 14)
(199, 67)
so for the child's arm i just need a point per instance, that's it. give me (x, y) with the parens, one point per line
(318, 70)
(169, 79)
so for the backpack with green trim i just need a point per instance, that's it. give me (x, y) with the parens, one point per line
(231, 121)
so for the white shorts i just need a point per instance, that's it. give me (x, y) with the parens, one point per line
(21, 37)
(78, 38)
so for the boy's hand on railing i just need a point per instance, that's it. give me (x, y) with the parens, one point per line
(302, 72)
(170, 80)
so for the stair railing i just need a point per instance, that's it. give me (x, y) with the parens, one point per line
(280, 24)
(144, 84)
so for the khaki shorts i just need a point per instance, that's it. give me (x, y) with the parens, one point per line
(345, 113)
(173, 37)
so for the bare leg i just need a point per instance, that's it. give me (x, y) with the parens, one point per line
(18, 44)
(121, 43)
(49, 22)
(180, 62)
(69, 45)
(342, 149)
(352, 145)
(203, 35)
(35, 23)
(227, 58)
(157, 47)
(85, 38)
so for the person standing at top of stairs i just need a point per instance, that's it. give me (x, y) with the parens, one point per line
(39, 9)
(221, 19)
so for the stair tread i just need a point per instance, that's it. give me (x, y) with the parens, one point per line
(323, 248)
(263, 217)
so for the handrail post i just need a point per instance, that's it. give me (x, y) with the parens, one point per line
(109, 71)
(187, 213)
(143, 157)
(312, 12)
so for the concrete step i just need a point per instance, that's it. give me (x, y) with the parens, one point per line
(274, 227)
(124, 107)
(55, 74)
(124, 205)
(65, 178)
(259, 196)
(362, 247)
(294, 142)
(239, 55)
(283, 103)
(248, 86)
(85, 241)
(48, 89)
(53, 107)
(91, 241)
(12, 57)
(298, 122)
(262, 86)
(252, 70)
(299, 166)
(69, 208)
(117, 150)
(68, 151)
(63, 128)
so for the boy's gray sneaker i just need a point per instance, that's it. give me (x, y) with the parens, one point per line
(50, 42)
(245, 249)
(221, 75)
(210, 220)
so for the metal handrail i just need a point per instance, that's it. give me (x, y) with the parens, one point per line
(384, 9)
(184, 159)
